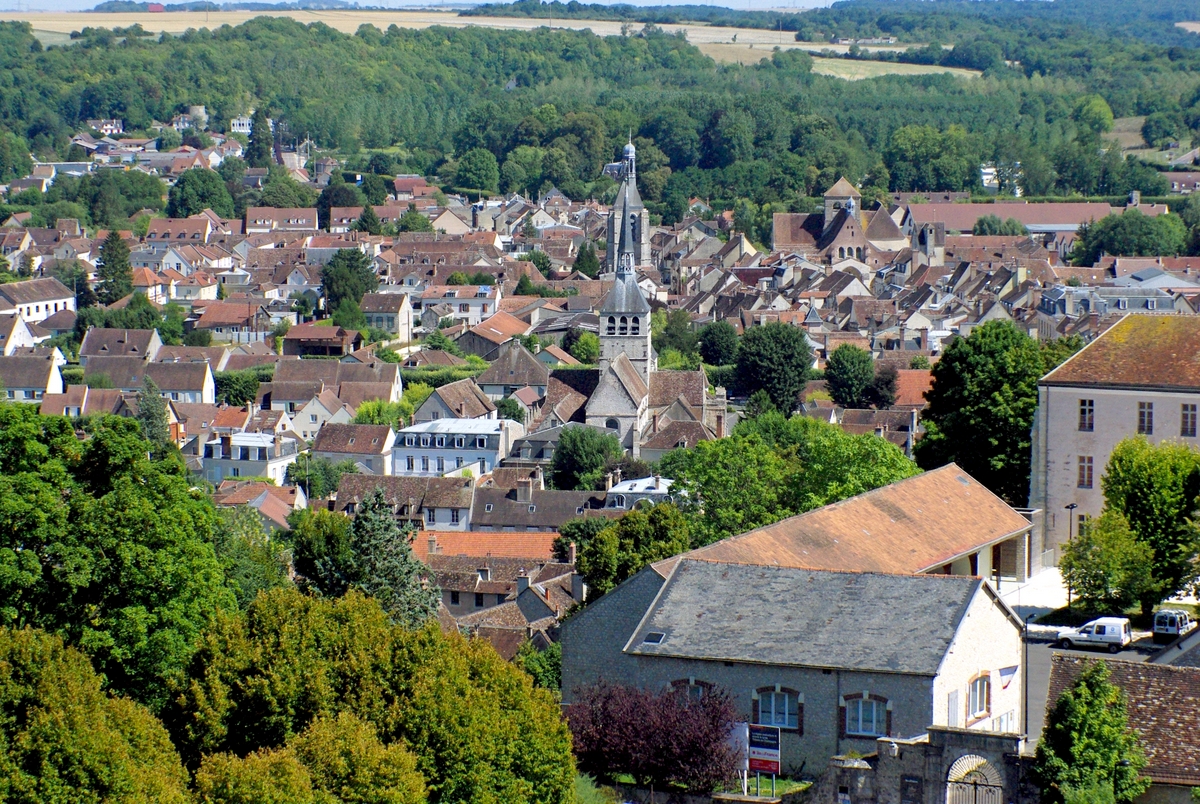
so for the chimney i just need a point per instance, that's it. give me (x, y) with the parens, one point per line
(657, 482)
(433, 545)
(539, 479)
(524, 490)
(608, 481)
(571, 553)
(577, 587)
(522, 582)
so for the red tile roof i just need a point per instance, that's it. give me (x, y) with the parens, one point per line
(1139, 351)
(537, 545)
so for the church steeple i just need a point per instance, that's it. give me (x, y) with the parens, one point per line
(625, 313)
(628, 208)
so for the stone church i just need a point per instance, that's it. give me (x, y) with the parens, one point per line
(633, 398)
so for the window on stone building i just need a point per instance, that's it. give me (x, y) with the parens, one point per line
(777, 706)
(1187, 421)
(865, 715)
(694, 689)
(612, 325)
(454, 598)
(1084, 480)
(624, 330)
(979, 696)
(1145, 418)
(1087, 415)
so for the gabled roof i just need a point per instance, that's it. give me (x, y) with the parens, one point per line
(32, 291)
(910, 526)
(628, 378)
(424, 492)
(353, 439)
(515, 365)
(1144, 351)
(1163, 705)
(738, 613)
(465, 399)
(117, 343)
(842, 189)
(26, 372)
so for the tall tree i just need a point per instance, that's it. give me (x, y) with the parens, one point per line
(478, 172)
(586, 261)
(1109, 569)
(848, 375)
(322, 551)
(775, 358)
(981, 408)
(348, 275)
(260, 153)
(152, 415)
(368, 221)
(113, 270)
(581, 456)
(719, 343)
(387, 569)
(196, 190)
(1087, 740)
(629, 544)
(1155, 488)
(337, 194)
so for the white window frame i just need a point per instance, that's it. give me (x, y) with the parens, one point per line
(855, 710)
(771, 713)
(979, 702)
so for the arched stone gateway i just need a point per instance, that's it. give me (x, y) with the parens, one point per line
(974, 780)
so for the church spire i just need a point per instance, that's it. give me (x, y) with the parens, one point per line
(626, 259)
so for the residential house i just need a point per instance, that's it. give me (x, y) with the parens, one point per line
(434, 448)
(462, 399)
(249, 455)
(261, 220)
(470, 584)
(15, 334)
(488, 337)
(427, 503)
(514, 367)
(390, 312)
(35, 300)
(234, 321)
(112, 342)
(369, 446)
(324, 408)
(311, 339)
(528, 506)
(470, 304)
(28, 378)
(180, 382)
(835, 660)
(1140, 378)
(272, 503)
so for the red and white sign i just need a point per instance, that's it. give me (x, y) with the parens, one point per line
(764, 749)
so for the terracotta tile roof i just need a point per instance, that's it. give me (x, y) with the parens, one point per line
(515, 365)
(687, 434)
(355, 393)
(962, 217)
(241, 493)
(353, 439)
(1139, 351)
(500, 328)
(529, 545)
(465, 398)
(906, 527)
(560, 355)
(911, 386)
(433, 357)
(1163, 704)
(667, 386)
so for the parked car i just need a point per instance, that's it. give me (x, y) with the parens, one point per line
(1170, 624)
(1113, 633)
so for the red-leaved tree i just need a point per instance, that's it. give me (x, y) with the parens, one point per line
(659, 738)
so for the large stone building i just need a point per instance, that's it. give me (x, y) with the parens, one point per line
(1140, 378)
(628, 208)
(838, 640)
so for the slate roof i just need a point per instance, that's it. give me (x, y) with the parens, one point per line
(32, 291)
(906, 527)
(1163, 704)
(547, 510)
(433, 357)
(21, 372)
(116, 342)
(383, 302)
(735, 613)
(1138, 351)
(352, 439)
(689, 434)
(334, 372)
(515, 365)
(426, 492)
(465, 398)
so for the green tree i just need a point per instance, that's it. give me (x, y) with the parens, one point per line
(479, 730)
(1094, 114)
(636, 539)
(678, 334)
(263, 777)
(368, 221)
(586, 348)
(992, 225)
(347, 275)
(349, 315)
(252, 558)
(321, 550)
(719, 343)
(586, 261)
(525, 286)
(543, 666)
(374, 189)
(1130, 234)
(413, 221)
(438, 342)
(283, 192)
(152, 416)
(774, 358)
(15, 162)
(319, 477)
(740, 483)
(142, 578)
(478, 172)
(387, 569)
(511, 409)
(379, 411)
(1087, 740)
(849, 373)
(581, 456)
(337, 194)
(64, 739)
(349, 763)
(1154, 486)
(196, 190)
(1109, 569)
(261, 151)
(981, 408)
(113, 270)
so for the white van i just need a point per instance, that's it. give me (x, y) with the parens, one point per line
(1113, 633)
(1170, 624)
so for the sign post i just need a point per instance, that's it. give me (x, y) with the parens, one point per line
(763, 753)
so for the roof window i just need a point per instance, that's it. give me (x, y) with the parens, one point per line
(654, 638)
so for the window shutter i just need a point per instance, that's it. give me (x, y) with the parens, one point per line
(841, 728)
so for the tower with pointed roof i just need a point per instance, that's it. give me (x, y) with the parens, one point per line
(625, 313)
(628, 206)
(841, 195)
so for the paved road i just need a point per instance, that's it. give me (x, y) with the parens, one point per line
(1039, 676)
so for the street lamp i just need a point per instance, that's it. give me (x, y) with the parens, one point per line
(1070, 529)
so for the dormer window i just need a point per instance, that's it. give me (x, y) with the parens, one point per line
(485, 574)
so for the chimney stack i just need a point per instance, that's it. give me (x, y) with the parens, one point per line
(578, 589)
(433, 545)
(571, 553)
(524, 490)
(522, 582)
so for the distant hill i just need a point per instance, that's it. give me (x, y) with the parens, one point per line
(126, 6)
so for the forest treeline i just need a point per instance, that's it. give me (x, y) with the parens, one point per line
(553, 106)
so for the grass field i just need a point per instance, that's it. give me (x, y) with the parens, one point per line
(1128, 132)
(51, 26)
